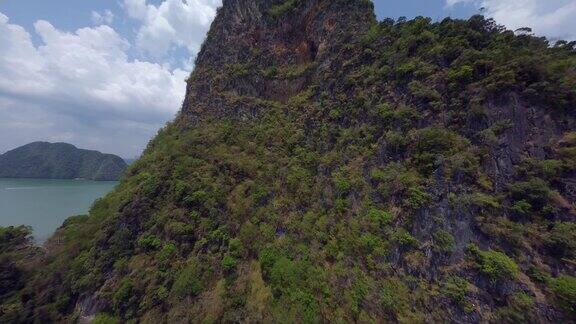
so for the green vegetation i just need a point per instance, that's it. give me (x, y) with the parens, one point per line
(238, 70)
(564, 288)
(456, 288)
(11, 237)
(379, 217)
(335, 174)
(14, 248)
(534, 192)
(187, 282)
(485, 201)
(562, 240)
(444, 241)
(495, 265)
(281, 9)
(105, 319)
(59, 161)
(520, 309)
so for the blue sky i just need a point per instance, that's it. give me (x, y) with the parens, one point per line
(108, 74)
(70, 15)
(436, 9)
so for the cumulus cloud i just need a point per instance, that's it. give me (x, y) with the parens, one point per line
(107, 17)
(551, 18)
(83, 87)
(172, 23)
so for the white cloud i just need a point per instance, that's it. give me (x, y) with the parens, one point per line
(81, 86)
(453, 2)
(84, 86)
(173, 23)
(107, 17)
(136, 8)
(19, 60)
(554, 19)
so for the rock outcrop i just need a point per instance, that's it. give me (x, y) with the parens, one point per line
(253, 53)
(326, 167)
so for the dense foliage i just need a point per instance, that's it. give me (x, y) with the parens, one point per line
(425, 176)
(15, 252)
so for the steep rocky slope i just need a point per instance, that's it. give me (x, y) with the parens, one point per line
(59, 161)
(327, 167)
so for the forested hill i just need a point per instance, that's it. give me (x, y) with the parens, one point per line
(44, 160)
(327, 167)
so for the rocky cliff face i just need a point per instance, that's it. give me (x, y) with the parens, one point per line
(326, 167)
(43, 160)
(266, 50)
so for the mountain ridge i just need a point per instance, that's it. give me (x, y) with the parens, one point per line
(59, 161)
(326, 167)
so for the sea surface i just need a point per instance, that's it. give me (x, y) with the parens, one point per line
(45, 204)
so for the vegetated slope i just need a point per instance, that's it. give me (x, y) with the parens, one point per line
(59, 161)
(16, 254)
(329, 168)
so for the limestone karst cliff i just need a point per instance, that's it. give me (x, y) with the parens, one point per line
(327, 167)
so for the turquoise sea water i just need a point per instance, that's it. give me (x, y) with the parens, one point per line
(45, 204)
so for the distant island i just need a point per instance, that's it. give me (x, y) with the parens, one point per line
(45, 160)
